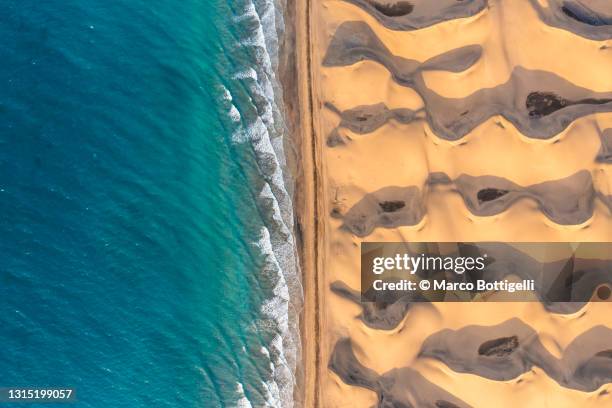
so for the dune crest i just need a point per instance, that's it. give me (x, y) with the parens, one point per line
(463, 121)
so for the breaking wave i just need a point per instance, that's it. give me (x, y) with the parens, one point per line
(257, 120)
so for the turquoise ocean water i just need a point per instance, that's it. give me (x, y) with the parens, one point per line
(146, 254)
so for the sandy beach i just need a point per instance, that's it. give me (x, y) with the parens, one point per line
(428, 104)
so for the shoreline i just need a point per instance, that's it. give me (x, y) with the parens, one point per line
(295, 76)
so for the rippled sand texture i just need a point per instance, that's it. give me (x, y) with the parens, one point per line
(462, 120)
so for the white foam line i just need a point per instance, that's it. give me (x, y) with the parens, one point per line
(265, 134)
(243, 401)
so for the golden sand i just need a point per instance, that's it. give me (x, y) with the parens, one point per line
(397, 154)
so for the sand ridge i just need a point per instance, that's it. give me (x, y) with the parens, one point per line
(459, 121)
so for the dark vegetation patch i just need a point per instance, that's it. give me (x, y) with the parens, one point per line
(396, 9)
(544, 103)
(498, 347)
(490, 194)
(392, 206)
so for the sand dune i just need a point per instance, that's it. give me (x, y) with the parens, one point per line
(464, 121)
(591, 19)
(403, 387)
(539, 113)
(507, 350)
(412, 15)
(568, 201)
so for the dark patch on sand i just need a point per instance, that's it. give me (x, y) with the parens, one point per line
(490, 194)
(567, 201)
(418, 13)
(563, 286)
(381, 315)
(392, 206)
(577, 17)
(398, 388)
(537, 113)
(367, 118)
(355, 41)
(498, 347)
(541, 116)
(545, 103)
(392, 8)
(335, 139)
(580, 12)
(605, 153)
(582, 366)
(438, 177)
(382, 209)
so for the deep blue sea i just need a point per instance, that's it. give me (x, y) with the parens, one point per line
(146, 253)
